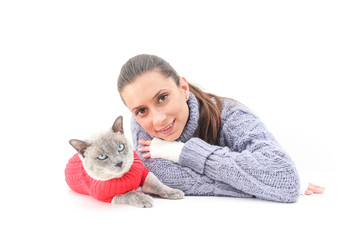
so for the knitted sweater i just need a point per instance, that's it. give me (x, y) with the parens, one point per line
(246, 161)
(79, 181)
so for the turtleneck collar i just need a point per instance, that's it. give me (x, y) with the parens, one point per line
(192, 123)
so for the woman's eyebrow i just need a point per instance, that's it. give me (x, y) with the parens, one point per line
(154, 97)
(135, 108)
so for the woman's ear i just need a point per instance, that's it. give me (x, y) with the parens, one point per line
(184, 86)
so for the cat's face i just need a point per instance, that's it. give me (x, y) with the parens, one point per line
(107, 154)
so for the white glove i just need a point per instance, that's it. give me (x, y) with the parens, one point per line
(166, 150)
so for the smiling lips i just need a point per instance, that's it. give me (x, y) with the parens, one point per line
(167, 129)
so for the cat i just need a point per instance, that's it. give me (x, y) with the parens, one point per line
(107, 168)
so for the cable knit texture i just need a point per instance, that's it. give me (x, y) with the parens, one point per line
(79, 181)
(246, 162)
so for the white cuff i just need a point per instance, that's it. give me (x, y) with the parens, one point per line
(166, 150)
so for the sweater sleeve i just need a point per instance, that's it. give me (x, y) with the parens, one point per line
(250, 160)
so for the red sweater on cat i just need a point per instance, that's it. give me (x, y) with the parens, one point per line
(79, 181)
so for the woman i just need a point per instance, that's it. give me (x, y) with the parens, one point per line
(201, 143)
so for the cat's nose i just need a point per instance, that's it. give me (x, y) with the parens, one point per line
(119, 164)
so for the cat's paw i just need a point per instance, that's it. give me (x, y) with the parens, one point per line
(173, 194)
(134, 198)
(145, 201)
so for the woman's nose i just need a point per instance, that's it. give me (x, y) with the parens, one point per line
(159, 118)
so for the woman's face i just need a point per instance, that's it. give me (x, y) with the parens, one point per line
(158, 104)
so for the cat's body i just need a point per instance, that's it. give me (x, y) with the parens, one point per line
(107, 169)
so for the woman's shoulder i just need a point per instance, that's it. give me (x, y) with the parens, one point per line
(238, 120)
(232, 107)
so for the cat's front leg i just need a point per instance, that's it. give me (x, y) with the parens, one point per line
(134, 198)
(153, 185)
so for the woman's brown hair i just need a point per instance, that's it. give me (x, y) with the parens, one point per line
(210, 115)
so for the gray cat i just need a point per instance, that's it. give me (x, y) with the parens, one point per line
(107, 169)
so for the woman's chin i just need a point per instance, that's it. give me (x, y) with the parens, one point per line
(169, 138)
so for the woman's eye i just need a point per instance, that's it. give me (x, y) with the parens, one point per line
(102, 157)
(141, 111)
(162, 98)
(121, 147)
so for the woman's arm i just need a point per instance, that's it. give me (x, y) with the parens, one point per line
(248, 157)
(262, 170)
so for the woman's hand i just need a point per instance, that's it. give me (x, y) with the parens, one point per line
(146, 148)
(312, 188)
(158, 148)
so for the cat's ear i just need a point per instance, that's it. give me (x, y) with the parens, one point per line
(79, 145)
(118, 125)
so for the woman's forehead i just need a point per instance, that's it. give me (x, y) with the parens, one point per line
(145, 87)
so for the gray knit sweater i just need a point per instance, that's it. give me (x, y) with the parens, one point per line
(246, 162)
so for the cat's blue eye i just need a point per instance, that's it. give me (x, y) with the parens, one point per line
(121, 147)
(102, 157)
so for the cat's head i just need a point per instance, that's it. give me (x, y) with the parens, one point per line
(107, 154)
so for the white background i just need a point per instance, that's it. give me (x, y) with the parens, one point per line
(294, 63)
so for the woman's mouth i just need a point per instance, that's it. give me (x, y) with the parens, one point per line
(168, 129)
